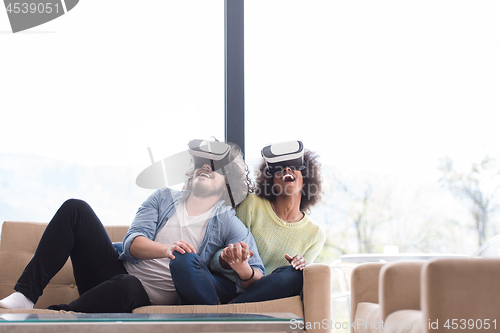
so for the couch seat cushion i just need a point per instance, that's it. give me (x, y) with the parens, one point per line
(368, 318)
(404, 321)
(283, 305)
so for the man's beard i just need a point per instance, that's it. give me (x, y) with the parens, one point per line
(202, 190)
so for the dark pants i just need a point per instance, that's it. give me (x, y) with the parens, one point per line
(102, 280)
(195, 284)
(284, 281)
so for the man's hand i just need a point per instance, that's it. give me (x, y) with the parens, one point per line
(181, 247)
(297, 261)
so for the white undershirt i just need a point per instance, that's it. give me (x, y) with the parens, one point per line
(154, 274)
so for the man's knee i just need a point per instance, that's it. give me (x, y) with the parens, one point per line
(183, 260)
(75, 207)
(75, 204)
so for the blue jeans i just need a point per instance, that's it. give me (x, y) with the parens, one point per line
(284, 281)
(195, 284)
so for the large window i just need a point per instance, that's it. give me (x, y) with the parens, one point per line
(385, 92)
(399, 99)
(83, 96)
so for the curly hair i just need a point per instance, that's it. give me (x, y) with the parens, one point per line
(237, 176)
(311, 190)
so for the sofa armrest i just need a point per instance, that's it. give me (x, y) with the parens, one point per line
(461, 289)
(399, 287)
(317, 294)
(364, 285)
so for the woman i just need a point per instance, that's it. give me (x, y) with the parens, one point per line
(288, 185)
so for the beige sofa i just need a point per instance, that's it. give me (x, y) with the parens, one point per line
(441, 295)
(19, 241)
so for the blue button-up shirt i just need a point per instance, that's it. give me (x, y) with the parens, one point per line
(223, 227)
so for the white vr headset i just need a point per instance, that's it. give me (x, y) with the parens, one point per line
(214, 153)
(286, 154)
(171, 170)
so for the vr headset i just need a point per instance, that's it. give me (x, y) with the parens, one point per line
(214, 153)
(278, 156)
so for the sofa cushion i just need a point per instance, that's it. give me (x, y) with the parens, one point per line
(364, 282)
(463, 289)
(404, 321)
(61, 289)
(21, 236)
(399, 287)
(289, 304)
(18, 243)
(368, 318)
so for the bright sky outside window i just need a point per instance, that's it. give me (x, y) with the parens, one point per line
(88, 92)
(381, 90)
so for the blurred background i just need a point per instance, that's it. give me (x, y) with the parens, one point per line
(399, 98)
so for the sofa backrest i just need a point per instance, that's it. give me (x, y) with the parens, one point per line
(18, 243)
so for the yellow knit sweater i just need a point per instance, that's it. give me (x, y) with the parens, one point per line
(275, 238)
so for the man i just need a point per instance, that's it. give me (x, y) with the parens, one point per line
(164, 255)
(194, 238)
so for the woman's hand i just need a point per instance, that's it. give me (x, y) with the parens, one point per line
(297, 261)
(236, 255)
